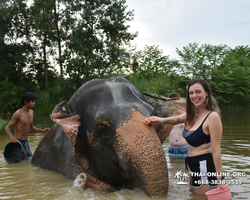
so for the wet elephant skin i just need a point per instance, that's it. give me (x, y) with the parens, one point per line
(100, 138)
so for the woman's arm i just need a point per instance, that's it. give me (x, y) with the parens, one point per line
(168, 120)
(215, 131)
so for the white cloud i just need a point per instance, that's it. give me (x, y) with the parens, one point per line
(173, 24)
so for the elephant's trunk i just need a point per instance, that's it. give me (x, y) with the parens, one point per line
(153, 173)
(142, 156)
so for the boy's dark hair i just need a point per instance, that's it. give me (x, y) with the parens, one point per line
(27, 97)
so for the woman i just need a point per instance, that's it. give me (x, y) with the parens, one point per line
(203, 132)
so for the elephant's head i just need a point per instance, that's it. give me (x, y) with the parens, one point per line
(110, 145)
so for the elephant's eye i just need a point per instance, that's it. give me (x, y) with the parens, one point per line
(103, 131)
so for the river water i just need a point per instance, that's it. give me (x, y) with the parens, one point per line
(23, 181)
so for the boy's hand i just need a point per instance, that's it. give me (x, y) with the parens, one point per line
(13, 140)
(46, 130)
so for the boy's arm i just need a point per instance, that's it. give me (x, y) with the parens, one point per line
(39, 130)
(12, 122)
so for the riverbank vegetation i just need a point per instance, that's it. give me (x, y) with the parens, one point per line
(53, 47)
(3, 123)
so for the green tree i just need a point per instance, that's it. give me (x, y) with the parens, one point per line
(14, 51)
(96, 44)
(150, 62)
(199, 62)
(231, 79)
(43, 41)
(152, 71)
(9, 97)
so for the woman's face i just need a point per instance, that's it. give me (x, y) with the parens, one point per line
(197, 94)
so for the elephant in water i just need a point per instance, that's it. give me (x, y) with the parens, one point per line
(100, 138)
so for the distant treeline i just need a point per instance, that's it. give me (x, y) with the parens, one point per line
(53, 47)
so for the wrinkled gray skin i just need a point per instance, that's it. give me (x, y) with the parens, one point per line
(100, 138)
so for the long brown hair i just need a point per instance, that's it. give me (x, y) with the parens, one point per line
(211, 103)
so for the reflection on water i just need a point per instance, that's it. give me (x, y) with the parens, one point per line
(23, 181)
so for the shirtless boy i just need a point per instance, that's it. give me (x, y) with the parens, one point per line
(178, 145)
(22, 119)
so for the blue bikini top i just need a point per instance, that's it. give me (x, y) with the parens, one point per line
(197, 137)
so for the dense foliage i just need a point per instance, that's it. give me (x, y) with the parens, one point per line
(53, 47)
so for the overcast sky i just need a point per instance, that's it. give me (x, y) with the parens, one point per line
(173, 24)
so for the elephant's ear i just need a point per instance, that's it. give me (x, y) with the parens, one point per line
(165, 107)
(70, 122)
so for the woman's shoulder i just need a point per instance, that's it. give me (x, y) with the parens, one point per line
(214, 113)
(214, 116)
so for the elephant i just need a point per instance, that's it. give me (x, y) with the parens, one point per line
(101, 141)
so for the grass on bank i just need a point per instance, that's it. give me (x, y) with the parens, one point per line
(3, 123)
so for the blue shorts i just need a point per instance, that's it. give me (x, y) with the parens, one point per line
(181, 151)
(26, 147)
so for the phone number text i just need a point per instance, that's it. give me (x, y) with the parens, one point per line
(219, 182)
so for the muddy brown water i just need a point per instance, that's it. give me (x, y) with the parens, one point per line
(23, 181)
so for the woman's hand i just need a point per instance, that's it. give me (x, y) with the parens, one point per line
(155, 120)
(222, 186)
(168, 120)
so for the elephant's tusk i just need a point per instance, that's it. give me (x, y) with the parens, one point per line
(85, 181)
